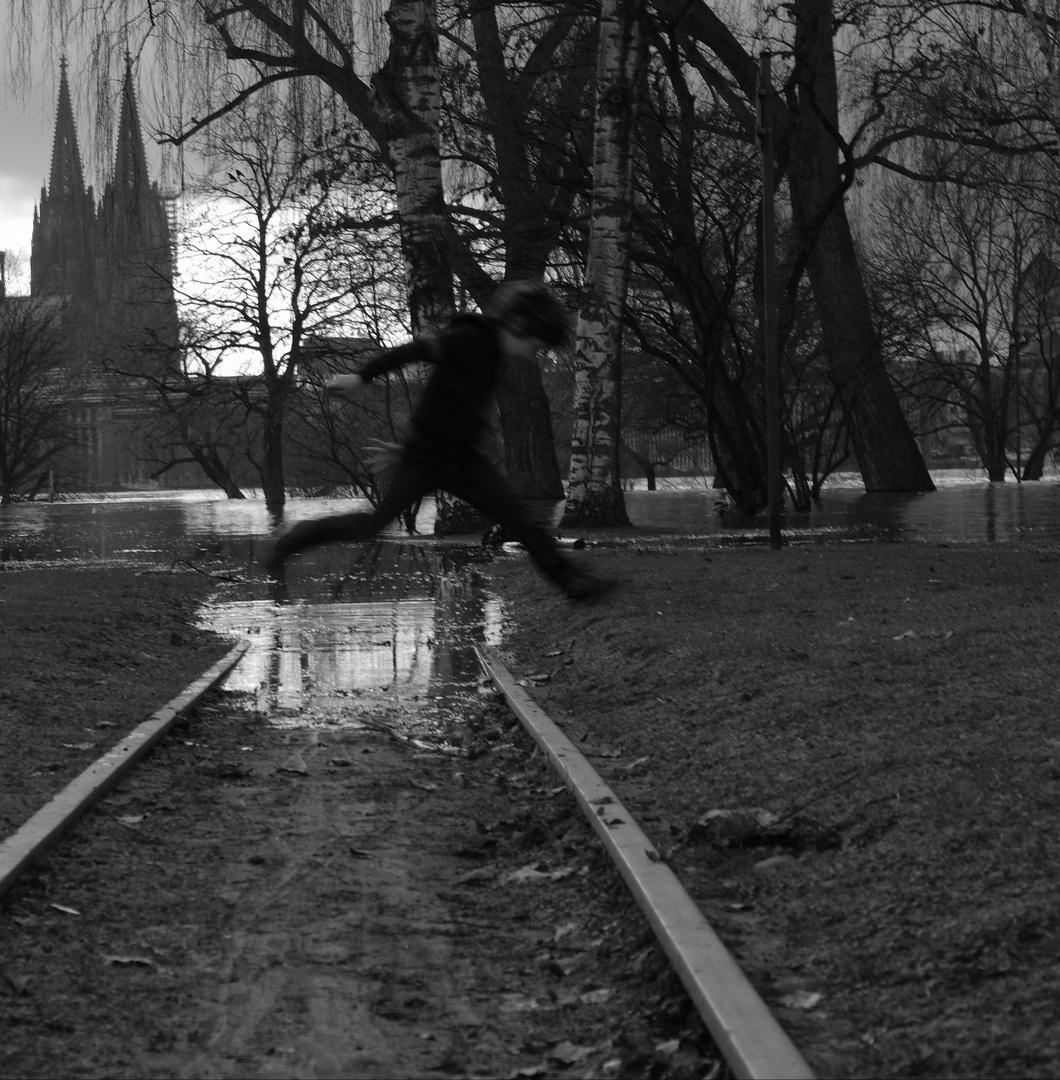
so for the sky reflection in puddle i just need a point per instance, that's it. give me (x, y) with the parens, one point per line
(404, 664)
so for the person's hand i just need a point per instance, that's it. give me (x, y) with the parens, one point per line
(382, 455)
(343, 384)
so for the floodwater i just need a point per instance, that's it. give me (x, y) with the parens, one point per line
(382, 638)
(382, 635)
(162, 526)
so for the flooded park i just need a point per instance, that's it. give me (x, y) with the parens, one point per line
(384, 633)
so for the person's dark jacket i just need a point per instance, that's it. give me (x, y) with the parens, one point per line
(466, 358)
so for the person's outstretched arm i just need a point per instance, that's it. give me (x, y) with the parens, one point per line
(424, 350)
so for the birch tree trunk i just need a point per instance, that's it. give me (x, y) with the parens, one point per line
(407, 98)
(594, 495)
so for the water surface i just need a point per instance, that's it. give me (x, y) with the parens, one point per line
(382, 635)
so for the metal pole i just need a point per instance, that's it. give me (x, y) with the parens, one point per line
(769, 299)
(1019, 446)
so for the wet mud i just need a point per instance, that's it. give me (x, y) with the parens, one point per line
(348, 863)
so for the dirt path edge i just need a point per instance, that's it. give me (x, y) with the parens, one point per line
(49, 823)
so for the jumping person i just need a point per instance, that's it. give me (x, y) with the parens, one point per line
(442, 448)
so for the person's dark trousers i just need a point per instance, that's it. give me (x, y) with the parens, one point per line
(422, 470)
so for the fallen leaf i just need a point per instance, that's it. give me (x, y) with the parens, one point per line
(800, 999)
(595, 997)
(518, 1003)
(568, 1053)
(527, 874)
(524, 875)
(472, 877)
(12, 984)
(774, 863)
(602, 751)
(294, 764)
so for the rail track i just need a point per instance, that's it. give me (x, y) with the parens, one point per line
(49, 824)
(746, 1033)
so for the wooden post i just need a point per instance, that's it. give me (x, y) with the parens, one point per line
(769, 298)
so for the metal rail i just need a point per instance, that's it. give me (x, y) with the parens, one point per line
(747, 1033)
(53, 819)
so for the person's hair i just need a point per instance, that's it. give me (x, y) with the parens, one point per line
(529, 309)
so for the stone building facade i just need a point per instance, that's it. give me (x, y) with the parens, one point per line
(111, 260)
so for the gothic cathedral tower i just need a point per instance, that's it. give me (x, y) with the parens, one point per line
(64, 225)
(112, 263)
(137, 253)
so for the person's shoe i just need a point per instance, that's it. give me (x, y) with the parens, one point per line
(585, 588)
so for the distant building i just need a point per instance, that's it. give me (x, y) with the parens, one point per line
(112, 259)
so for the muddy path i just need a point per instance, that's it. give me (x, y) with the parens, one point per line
(351, 864)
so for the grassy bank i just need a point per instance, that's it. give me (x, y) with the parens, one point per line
(86, 655)
(851, 755)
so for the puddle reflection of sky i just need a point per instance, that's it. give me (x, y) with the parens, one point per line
(332, 664)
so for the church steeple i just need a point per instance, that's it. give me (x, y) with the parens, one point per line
(67, 178)
(61, 259)
(133, 214)
(130, 164)
(137, 247)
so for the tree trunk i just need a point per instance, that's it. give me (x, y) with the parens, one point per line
(1034, 465)
(273, 486)
(886, 452)
(529, 442)
(594, 495)
(736, 441)
(407, 91)
(407, 96)
(215, 470)
(533, 212)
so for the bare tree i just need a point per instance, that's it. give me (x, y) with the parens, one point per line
(271, 269)
(38, 388)
(594, 491)
(954, 257)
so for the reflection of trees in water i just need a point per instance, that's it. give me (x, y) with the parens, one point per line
(377, 632)
(214, 532)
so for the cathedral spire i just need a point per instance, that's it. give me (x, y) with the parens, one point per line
(67, 178)
(130, 164)
(61, 261)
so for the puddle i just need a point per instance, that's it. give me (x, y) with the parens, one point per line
(398, 656)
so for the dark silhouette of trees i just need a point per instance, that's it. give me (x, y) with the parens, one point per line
(38, 391)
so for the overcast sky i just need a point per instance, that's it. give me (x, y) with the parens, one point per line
(27, 127)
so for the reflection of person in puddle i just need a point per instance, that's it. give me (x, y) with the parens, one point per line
(441, 451)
